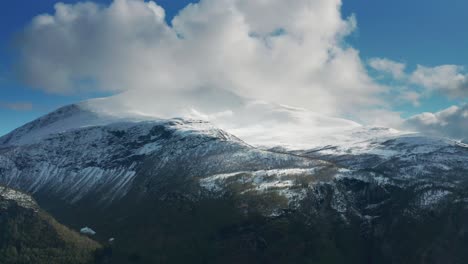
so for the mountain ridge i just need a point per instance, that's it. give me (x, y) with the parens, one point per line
(151, 183)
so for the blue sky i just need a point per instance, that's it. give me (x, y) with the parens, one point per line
(429, 32)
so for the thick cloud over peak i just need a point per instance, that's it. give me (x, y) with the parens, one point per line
(287, 52)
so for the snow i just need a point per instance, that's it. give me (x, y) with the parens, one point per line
(148, 149)
(338, 202)
(258, 123)
(261, 124)
(105, 159)
(67, 118)
(432, 197)
(275, 184)
(87, 231)
(22, 199)
(279, 180)
(84, 149)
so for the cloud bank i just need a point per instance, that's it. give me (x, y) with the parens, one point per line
(451, 122)
(448, 79)
(240, 63)
(288, 52)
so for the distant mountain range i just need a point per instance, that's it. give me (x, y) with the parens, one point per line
(182, 190)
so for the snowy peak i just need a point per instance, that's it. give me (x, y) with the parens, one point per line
(64, 119)
(61, 120)
(256, 122)
(91, 114)
(101, 157)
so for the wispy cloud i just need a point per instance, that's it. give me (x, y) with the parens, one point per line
(395, 69)
(17, 106)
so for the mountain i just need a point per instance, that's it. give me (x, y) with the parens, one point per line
(183, 190)
(103, 160)
(29, 235)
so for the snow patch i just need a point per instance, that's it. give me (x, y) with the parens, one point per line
(431, 198)
(87, 231)
(22, 199)
(282, 181)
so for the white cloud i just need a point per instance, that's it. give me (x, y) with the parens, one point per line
(411, 96)
(220, 60)
(257, 122)
(290, 54)
(395, 69)
(451, 122)
(448, 79)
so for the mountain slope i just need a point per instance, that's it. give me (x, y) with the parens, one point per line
(104, 160)
(29, 235)
(179, 190)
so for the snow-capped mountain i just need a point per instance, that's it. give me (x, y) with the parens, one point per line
(74, 152)
(78, 151)
(115, 169)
